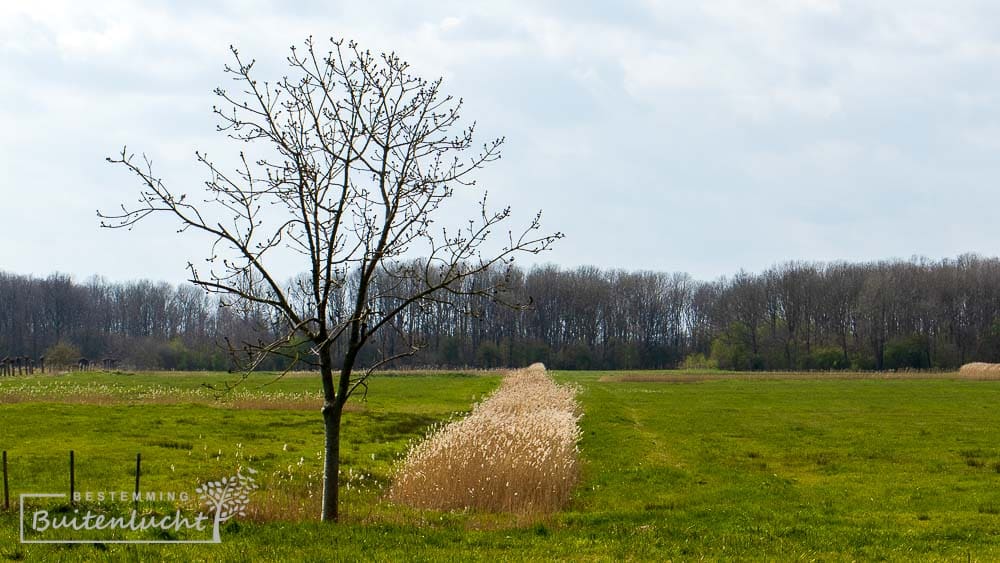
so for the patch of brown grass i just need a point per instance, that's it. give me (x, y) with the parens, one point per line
(640, 378)
(102, 394)
(303, 374)
(261, 403)
(681, 377)
(290, 494)
(516, 452)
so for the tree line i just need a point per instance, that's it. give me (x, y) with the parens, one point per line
(901, 314)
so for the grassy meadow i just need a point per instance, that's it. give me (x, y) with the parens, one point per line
(673, 466)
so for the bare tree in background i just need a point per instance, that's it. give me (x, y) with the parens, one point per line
(353, 158)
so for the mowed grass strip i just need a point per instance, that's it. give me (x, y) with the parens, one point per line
(793, 469)
(803, 469)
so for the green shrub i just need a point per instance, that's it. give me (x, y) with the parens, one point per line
(731, 350)
(827, 358)
(489, 355)
(907, 352)
(62, 354)
(699, 361)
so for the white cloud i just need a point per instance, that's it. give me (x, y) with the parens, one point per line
(450, 22)
(720, 117)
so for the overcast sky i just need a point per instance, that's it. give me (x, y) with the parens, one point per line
(680, 136)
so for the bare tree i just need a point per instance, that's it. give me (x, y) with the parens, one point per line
(354, 158)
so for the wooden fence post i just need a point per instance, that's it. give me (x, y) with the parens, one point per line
(6, 487)
(138, 466)
(72, 477)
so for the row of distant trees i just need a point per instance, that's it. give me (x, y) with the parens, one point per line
(141, 324)
(912, 314)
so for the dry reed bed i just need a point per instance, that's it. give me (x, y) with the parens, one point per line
(515, 452)
(980, 370)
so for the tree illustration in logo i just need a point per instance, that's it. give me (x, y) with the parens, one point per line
(227, 498)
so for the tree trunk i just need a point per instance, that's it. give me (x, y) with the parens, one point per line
(843, 346)
(332, 410)
(331, 465)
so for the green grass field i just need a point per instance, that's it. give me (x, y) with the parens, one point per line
(786, 469)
